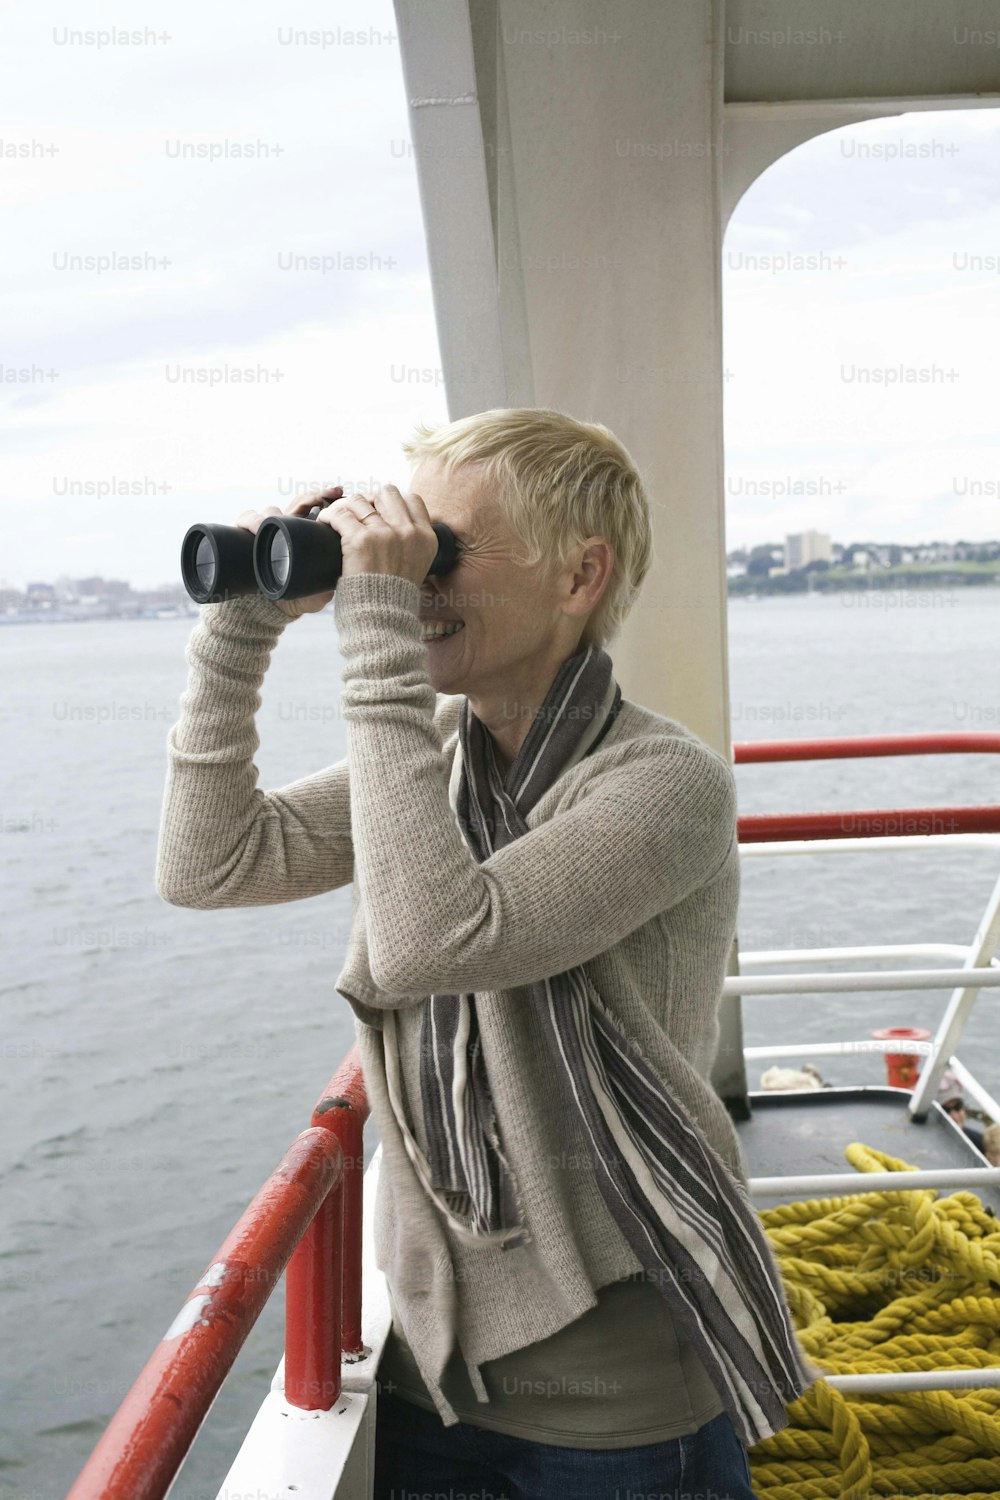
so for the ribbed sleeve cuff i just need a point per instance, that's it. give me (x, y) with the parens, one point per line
(378, 623)
(228, 653)
(249, 612)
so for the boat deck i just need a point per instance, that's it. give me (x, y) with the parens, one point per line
(802, 1132)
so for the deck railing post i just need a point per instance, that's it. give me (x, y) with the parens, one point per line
(350, 1132)
(314, 1310)
(343, 1109)
(323, 1280)
(981, 952)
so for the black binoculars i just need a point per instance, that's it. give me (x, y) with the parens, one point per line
(289, 558)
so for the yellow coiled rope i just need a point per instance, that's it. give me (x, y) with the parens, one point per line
(888, 1281)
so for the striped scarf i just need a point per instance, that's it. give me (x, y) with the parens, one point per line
(691, 1225)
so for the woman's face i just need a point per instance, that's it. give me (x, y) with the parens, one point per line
(510, 615)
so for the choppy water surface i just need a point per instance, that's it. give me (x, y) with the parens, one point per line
(158, 1061)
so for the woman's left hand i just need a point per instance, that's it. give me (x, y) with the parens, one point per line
(396, 537)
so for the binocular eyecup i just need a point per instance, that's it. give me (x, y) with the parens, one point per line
(289, 558)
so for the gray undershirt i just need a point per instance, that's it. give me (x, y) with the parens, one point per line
(617, 1377)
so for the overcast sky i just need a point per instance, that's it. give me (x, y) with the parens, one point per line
(112, 353)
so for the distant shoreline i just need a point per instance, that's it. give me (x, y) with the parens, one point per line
(55, 617)
(906, 578)
(926, 578)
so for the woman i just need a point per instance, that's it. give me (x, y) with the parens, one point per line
(546, 881)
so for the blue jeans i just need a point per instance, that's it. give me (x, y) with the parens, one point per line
(417, 1455)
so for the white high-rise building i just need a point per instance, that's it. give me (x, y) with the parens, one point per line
(802, 547)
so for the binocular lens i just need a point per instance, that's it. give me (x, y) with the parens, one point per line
(289, 557)
(279, 558)
(217, 563)
(204, 565)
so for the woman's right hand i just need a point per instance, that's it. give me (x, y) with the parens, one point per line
(250, 521)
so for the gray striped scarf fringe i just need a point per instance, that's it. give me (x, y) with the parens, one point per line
(691, 1225)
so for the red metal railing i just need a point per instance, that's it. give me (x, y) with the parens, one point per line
(307, 1216)
(872, 822)
(865, 745)
(323, 1281)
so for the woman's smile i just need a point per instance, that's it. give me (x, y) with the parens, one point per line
(433, 634)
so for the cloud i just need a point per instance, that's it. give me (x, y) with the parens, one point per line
(216, 291)
(863, 363)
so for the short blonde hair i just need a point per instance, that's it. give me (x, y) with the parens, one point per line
(991, 1140)
(557, 481)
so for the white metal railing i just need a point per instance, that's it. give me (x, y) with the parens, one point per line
(893, 841)
(836, 1049)
(982, 951)
(917, 1380)
(974, 1089)
(836, 1184)
(987, 977)
(979, 962)
(980, 969)
(849, 955)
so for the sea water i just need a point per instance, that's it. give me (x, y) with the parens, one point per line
(158, 1061)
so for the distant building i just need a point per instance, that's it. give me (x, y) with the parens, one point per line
(11, 600)
(804, 547)
(101, 588)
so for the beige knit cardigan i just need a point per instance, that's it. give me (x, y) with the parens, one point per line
(630, 865)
